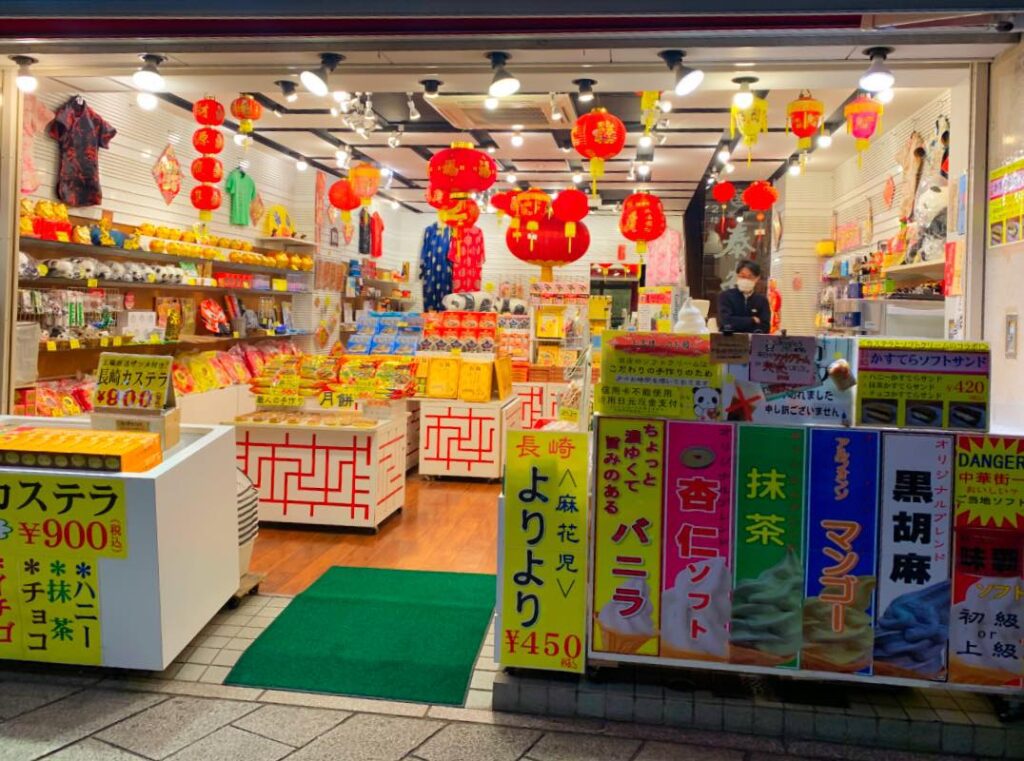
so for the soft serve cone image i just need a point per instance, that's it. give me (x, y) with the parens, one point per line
(695, 612)
(626, 634)
(911, 634)
(767, 615)
(847, 650)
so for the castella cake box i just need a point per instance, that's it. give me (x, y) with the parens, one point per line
(76, 449)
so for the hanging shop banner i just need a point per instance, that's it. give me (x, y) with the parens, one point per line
(697, 575)
(136, 382)
(827, 400)
(53, 532)
(915, 536)
(543, 552)
(784, 360)
(1006, 204)
(767, 600)
(629, 469)
(923, 384)
(658, 374)
(842, 509)
(985, 624)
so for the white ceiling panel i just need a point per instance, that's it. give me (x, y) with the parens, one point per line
(405, 161)
(536, 146)
(305, 143)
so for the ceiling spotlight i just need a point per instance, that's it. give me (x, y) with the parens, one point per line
(387, 175)
(395, 138)
(278, 113)
(302, 165)
(242, 140)
(643, 169)
(794, 168)
(724, 155)
(414, 113)
(645, 141)
(503, 84)
(730, 168)
(878, 77)
(687, 79)
(26, 80)
(288, 90)
(147, 101)
(342, 157)
(824, 140)
(491, 149)
(586, 89)
(491, 103)
(554, 195)
(335, 111)
(341, 96)
(577, 178)
(565, 148)
(510, 178)
(743, 98)
(885, 97)
(517, 136)
(395, 204)
(431, 87)
(315, 80)
(556, 112)
(665, 106)
(147, 77)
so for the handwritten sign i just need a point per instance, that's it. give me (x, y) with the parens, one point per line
(786, 360)
(134, 382)
(732, 349)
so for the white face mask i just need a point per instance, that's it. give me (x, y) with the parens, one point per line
(745, 286)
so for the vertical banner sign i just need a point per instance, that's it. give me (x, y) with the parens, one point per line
(915, 541)
(988, 589)
(842, 514)
(53, 532)
(543, 552)
(697, 578)
(629, 469)
(767, 599)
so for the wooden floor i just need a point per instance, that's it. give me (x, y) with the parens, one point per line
(444, 526)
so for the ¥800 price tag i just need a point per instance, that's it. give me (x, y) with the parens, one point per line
(133, 382)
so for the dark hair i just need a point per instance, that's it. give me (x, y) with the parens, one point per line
(749, 264)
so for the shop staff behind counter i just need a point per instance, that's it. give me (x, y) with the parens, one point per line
(740, 310)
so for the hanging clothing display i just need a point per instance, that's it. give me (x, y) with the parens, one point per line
(80, 132)
(376, 236)
(435, 269)
(467, 260)
(242, 189)
(663, 257)
(364, 231)
(37, 116)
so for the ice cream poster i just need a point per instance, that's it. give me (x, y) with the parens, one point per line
(915, 545)
(628, 494)
(842, 510)
(542, 557)
(827, 400)
(697, 576)
(768, 586)
(988, 589)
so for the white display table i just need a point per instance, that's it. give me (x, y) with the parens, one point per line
(325, 475)
(465, 439)
(538, 401)
(178, 560)
(213, 407)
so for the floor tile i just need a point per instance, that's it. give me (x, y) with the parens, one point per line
(214, 640)
(344, 703)
(19, 697)
(215, 675)
(559, 746)
(671, 752)
(230, 743)
(192, 689)
(238, 644)
(190, 672)
(173, 725)
(203, 655)
(480, 699)
(482, 680)
(486, 663)
(61, 723)
(293, 725)
(478, 742)
(261, 622)
(366, 737)
(92, 750)
(227, 657)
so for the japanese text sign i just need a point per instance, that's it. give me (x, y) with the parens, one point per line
(697, 576)
(629, 469)
(286, 391)
(842, 509)
(1006, 204)
(786, 360)
(990, 482)
(733, 348)
(658, 374)
(767, 601)
(923, 384)
(915, 531)
(543, 552)
(134, 382)
(53, 532)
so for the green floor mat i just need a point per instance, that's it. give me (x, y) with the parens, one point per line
(395, 635)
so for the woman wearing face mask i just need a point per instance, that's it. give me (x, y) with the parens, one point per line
(740, 310)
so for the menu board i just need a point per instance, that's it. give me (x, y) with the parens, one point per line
(1006, 204)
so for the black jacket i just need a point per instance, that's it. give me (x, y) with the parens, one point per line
(736, 312)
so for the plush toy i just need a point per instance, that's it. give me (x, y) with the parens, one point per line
(474, 301)
(136, 273)
(510, 306)
(60, 268)
(103, 271)
(118, 272)
(84, 268)
(27, 267)
(930, 215)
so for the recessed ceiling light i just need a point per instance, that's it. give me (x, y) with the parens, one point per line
(491, 103)
(315, 80)
(645, 141)
(503, 83)
(510, 178)
(556, 112)
(878, 77)
(288, 90)
(395, 204)
(431, 87)
(26, 80)
(517, 140)
(147, 77)
(643, 169)
(824, 140)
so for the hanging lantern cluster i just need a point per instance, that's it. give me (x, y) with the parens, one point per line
(750, 122)
(723, 192)
(247, 110)
(597, 137)
(529, 207)
(555, 234)
(760, 196)
(207, 170)
(804, 117)
(642, 220)
(461, 215)
(461, 170)
(365, 179)
(569, 208)
(863, 118)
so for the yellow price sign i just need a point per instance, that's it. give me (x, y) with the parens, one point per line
(286, 392)
(51, 346)
(104, 342)
(74, 343)
(92, 282)
(133, 382)
(118, 340)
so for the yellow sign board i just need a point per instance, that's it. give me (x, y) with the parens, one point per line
(503, 376)
(134, 382)
(543, 553)
(53, 532)
(286, 392)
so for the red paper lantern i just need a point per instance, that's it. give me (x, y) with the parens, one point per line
(208, 112)
(503, 201)
(365, 179)
(530, 206)
(207, 169)
(570, 207)
(439, 199)
(247, 110)
(803, 118)
(642, 220)
(461, 170)
(724, 192)
(208, 140)
(760, 196)
(207, 199)
(598, 136)
(551, 248)
(863, 117)
(343, 197)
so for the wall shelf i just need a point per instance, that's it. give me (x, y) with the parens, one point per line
(273, 243)
(60, 282)
(934, 270)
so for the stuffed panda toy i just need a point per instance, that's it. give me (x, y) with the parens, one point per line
(136, 272)
(103, 271)
(118, 272)
(62, 268)
(85, 269)
(27, 267)
(510, 306)
(474, 301)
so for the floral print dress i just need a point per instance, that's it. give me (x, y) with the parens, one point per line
(80, 132)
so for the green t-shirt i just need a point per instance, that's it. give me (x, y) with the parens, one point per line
(242, 190)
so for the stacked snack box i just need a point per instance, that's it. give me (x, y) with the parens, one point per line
(74, 449)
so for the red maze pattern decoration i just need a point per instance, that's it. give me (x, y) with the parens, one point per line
(537, 401)
(458, 439)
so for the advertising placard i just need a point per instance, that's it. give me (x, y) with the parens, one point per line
(543, 552)
(697, 574)
(842, 513)
(768, 587)
(1006, 204)
(915, 538)
(783, 360)
(629, 469)
(923, 384)
(133, 382)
